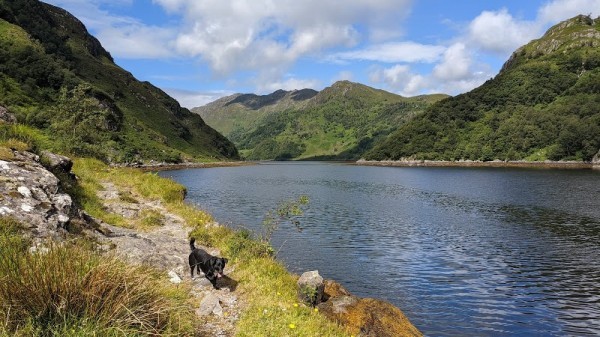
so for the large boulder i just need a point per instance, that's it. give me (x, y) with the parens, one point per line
(31, 194)
(311, 287)
(365, 317)
(56, 163)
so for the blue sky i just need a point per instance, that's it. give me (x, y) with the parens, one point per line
(200, 50)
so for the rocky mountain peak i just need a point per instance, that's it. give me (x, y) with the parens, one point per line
(578, 32)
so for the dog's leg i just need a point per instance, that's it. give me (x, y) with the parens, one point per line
(192, 270)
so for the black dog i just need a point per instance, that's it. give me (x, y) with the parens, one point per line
(211, 266)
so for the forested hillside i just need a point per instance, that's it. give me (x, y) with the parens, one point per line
(544, 104)
(340, 122)
(69, 95)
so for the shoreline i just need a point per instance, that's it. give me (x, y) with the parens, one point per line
(572, 165)
(182, 166)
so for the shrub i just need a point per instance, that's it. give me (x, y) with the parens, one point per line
(71, 290)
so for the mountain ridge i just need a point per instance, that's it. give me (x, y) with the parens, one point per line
(338, 122)
(54, 72)
(542, 105)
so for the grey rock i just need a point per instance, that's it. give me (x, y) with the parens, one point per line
(210, 304)
(6, 116)
(57, 162)
(173, 277)
(311, 287)
(30, 194)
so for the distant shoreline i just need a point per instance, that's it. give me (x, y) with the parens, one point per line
(473, 163)
(182, 166)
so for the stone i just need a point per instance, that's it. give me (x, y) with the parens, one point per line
(25, 192)
(174, 278)
(311, 287)
(31, 194)
(57, 162)
(366, 317)
(6, 116)
(210, 304)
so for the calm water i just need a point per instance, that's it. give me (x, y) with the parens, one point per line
(463, 252)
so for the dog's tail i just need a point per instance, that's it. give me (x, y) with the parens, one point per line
(192, 247)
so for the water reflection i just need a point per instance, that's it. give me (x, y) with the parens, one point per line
(461, 251)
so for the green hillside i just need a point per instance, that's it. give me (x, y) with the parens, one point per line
(240, 112)
(63, 85)
(340, 122)
(544, 104)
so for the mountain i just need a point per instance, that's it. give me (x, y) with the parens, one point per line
(543, 104)
(66, 90)
(241, 111)
(340, 122)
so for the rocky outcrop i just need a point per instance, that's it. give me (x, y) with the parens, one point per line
(6, 116)
(365, 317)
(31, 194)
(596, 161)
(311, 287)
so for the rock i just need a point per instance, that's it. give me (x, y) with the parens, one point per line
(596, 159)
(6, 116)
(56, 162)
(366, 317)
(209, 305)
(30, 194)
(311, 287)
(334, 289)
(174, 278)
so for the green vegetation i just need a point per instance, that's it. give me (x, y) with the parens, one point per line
(269, 290)
(242, 111)
(59, 80)
(70, 290)
(340, 122)
(542, 105)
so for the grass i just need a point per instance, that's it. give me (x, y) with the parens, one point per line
(70, 290)
(266, 286)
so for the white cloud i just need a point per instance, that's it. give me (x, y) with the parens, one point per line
(137, 41)
(234, 35)
(122, 36)
(400, 79)
(500, 32)
(393, 52)
(559, 10)
(287, 84)
(456, 64)
(455, 73)
(193, 99)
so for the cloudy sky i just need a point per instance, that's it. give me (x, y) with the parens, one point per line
(200, 50)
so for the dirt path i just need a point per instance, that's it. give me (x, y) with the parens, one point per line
(166, 247)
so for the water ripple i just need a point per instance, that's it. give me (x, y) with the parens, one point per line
(464, 252)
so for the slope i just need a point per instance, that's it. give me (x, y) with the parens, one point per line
(542, 105)
(340, 122)
(240, 112)
(59, 80)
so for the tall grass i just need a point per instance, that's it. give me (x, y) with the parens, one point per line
(71, 290)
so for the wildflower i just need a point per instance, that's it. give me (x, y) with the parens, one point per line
(295, 305)
(316, 309)
(292, 326)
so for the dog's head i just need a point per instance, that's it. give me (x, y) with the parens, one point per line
(218, 265)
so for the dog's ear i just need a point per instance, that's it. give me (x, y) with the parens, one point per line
(225, 260)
